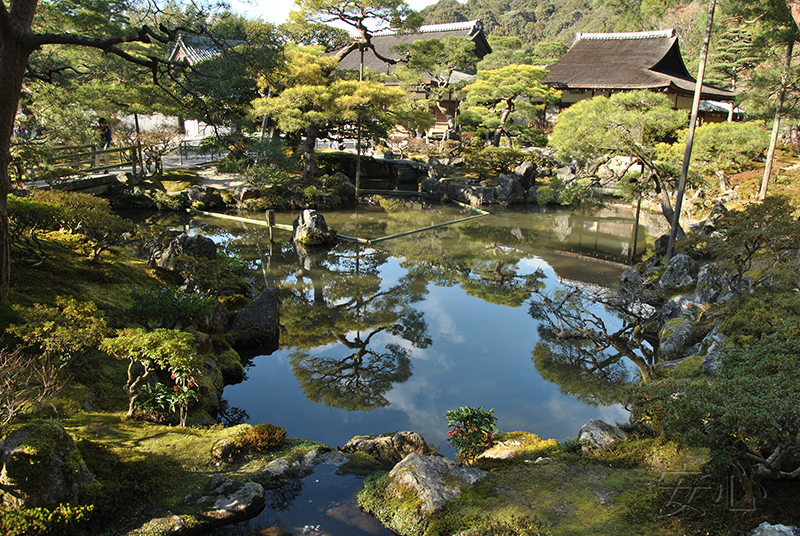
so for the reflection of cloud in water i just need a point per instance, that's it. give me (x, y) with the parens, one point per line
(427, 421)
(444, 323)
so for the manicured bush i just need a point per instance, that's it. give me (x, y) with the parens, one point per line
(471, 431)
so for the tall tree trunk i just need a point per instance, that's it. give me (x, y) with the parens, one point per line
(309, 157)
(503, 119)
(15, 48)
(776, 125)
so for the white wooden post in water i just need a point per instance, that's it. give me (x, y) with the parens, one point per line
(270, 222)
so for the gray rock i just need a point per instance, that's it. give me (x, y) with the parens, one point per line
(567, 173)
(674, 338)
(390, 448)
(765, 529)
(508, 190)
(678, 273)
(42, 467)
(426, 185)
(711, 283)
(630, 278)
(246, 499)
(600, 434)
(533, 192)
(204, 197)
(474, 195)
(346, 189)
(183, 244)
(326, 201)
(717, 212)
(311, 229)
(680, 306)
(714, 342)
(243, 193)
(433, 479)
(526, 174)
(257, 324)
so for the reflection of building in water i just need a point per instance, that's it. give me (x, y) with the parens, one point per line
(583, 271)
(606, 234)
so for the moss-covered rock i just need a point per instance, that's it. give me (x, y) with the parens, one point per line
(42, 467)
(230, 365)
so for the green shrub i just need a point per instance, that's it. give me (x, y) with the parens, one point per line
(261, 437)
(89, 216)
(28, 219)
(496, 159)
(471, 431)
(153, 401)
(167, 307)
(310, 195)
(573, 445)
(62, 333)
(262, 175)
(392, 205)
(42, 521)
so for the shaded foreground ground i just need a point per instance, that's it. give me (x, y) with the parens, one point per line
(636, 487)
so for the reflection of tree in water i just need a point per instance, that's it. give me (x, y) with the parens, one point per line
(357, 381)
(338, 297)
(579, 353)
(483, 260)
(579, 371)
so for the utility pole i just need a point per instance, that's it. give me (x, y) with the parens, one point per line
(687, 156)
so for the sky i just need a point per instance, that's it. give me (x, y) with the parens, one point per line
(277, 11)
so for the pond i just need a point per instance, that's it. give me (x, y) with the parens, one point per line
(388, 337)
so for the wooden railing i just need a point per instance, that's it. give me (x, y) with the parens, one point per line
(95, 159)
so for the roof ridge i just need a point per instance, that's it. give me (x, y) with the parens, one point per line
(627, 35)
(433, 28)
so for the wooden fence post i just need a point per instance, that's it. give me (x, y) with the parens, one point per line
(270, 222)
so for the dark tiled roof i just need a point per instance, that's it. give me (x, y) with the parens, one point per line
(385, 41)
(639, 60)
(196, 48)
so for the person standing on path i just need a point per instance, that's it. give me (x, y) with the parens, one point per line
(104, 132)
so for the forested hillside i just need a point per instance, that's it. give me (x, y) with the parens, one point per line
(548, 21)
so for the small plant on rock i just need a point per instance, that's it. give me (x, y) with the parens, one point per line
(471, 431)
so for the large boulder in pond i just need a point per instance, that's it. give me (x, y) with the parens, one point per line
(432, 480)
(257, 324)
(509, 189)
(526, 174)
(389, 448)
(311, 229)
(42, 467)
(184, 244)
(204, 197)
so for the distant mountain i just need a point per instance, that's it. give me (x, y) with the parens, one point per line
(531, 21)
(557, 21)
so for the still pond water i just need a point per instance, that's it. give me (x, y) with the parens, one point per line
(390, 336)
